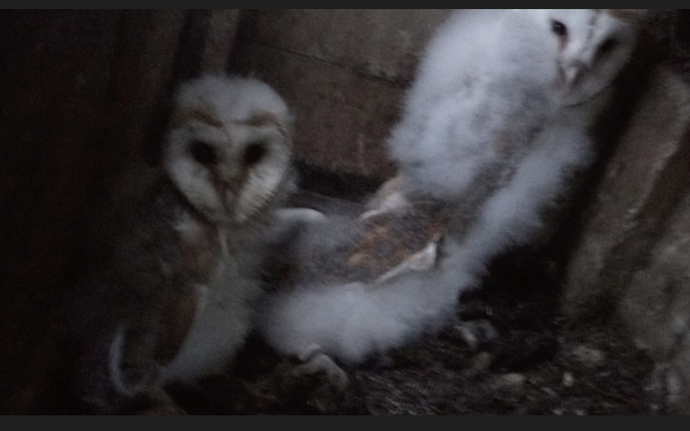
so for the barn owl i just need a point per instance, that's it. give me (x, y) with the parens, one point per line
(495, 124)
(174, 269)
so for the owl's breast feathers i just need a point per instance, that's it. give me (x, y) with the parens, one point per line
(187, 254)
(200, 247)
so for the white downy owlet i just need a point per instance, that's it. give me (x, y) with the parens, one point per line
(495, 124)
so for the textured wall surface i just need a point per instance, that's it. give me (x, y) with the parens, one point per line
(639, 189)
(633, 252)
(656, 306)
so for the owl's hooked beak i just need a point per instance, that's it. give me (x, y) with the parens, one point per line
(253, 198)
(262, 184)
(572, 72)
(229, 196)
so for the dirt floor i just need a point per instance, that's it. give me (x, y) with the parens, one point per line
(535, 365)
(519, 357)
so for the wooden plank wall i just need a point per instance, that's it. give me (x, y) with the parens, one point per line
(82, 93)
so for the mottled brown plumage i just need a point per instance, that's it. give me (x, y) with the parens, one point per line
(173, 256)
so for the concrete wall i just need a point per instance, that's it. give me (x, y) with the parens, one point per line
(343, 71)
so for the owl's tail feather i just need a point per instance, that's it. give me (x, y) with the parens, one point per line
(351, 322)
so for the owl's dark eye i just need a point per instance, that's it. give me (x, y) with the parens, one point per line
(608, 45)
(203, 153)
(254, 153)
(559, 28)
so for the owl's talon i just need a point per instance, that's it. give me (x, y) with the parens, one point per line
(477, 333)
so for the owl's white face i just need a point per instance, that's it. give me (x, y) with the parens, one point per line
(594, 45)
(229, 163)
